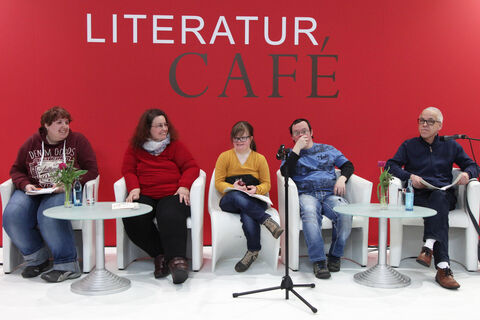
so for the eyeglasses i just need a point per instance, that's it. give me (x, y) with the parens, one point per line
(241, 139)
(160, 125)
(300, 132)
(430, 122)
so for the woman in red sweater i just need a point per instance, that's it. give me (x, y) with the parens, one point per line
(33, 233)
(159, 171)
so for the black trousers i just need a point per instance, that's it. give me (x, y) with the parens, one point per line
(436, 227)
(169, 236)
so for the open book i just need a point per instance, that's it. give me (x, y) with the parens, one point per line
(258, 196)
(430, 186)
(38, 191)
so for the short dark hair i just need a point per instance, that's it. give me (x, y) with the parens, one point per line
(142, 131)
(242, 127)
(53, 114)
(297, 121)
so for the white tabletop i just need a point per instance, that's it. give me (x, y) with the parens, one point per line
(374, 210)
(99, 211)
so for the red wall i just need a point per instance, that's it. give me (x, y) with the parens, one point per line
(393, 59)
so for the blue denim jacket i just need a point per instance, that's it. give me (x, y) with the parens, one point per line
(315, 169)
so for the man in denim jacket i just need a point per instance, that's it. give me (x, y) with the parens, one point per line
(312, 167)
(429, 158)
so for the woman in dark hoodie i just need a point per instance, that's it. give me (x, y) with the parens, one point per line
(33, 233)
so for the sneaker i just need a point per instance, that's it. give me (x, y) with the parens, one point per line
(33, 271)
(445, 278)
(333, 264)
(59, 275)
(246, 261)
(320, 270)
(273, 227)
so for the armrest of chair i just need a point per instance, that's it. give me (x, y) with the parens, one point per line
(6, 190)
(473, 197)
(393, 188)
(95, 183)
(120, 190)
(197, 199)
(358, 190)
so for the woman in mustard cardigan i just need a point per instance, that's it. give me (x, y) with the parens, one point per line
(238, 172)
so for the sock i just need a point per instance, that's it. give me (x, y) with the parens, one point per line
(429, 243)
(443, 265)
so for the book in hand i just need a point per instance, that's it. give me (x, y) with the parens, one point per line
(39, 191)
(258, 196)
(430, 186)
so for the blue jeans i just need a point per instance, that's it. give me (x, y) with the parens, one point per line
(312, 207)
(252, 215)
(30, 230)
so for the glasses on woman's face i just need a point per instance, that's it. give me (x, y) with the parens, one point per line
(430, 121)
(160, 125)
(241, 139)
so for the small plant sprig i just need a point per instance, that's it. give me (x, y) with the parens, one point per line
(67, 173)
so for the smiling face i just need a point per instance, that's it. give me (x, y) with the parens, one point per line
(241, 142)
(159, 128)
(58, 130)
(429, 125)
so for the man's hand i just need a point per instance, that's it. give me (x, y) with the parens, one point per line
(339, 188)
(417, 182)
(184, 195)
(464, 178)
(301, 144)
(133, 195)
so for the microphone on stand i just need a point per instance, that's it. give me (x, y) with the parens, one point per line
(454, 137)
(282, 152)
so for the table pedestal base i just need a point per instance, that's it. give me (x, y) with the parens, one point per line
(382, 276)
(100, 282)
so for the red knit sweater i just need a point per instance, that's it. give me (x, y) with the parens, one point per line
(159, 176)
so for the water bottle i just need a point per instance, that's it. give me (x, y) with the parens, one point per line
(77, 193)
(409, 196)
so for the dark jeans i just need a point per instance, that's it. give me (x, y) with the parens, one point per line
(436, 227)
(252, 214)
(169, 236)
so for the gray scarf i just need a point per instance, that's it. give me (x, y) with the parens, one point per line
(156, 147)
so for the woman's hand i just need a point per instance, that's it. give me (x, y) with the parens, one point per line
(184, 195)
(59, 189)
(133, 195)
(252, 189)
(240, 185)
(30, 187)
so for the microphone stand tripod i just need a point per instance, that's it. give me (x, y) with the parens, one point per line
(287, 283)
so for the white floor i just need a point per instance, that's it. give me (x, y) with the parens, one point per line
(207, 295)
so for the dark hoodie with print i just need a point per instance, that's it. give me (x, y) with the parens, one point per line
(37, 159)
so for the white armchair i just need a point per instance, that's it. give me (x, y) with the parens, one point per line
(228, 240)
(406, 234)
(358, 190)
(84, 233)
(127, 251)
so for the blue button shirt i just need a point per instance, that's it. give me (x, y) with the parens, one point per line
(315, 169)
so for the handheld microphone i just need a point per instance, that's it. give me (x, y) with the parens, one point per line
(454, 137)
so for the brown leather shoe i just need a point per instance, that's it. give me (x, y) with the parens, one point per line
(161, 268)
(179, 269)
(444, 278)
(425, 257)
